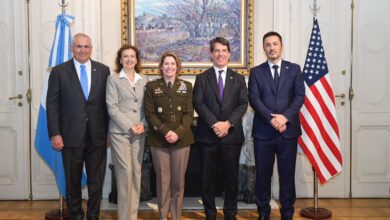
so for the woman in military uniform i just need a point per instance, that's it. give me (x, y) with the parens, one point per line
(169, 113)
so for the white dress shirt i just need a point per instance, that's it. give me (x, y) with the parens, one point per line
(223, 74)
(87, 68)
(279, 64)
(137, 77)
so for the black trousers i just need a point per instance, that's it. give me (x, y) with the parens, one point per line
(285, 151)
(228, 157)
(95, 158)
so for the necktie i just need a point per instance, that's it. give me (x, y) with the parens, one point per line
(220, 85)
(276, 76)
(169, 85)
(84, 80)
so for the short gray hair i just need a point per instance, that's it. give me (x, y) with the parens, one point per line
(80, 35)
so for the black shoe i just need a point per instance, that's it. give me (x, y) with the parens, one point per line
(210, 217)
(286, 218)
(263, 217)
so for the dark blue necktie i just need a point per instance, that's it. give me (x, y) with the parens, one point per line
(84, 80)
(220, 85)
(276, 76)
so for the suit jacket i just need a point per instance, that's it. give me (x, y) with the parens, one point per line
(265, 99)
(169, 109)
(211, 110)
(125, 105)
(69, 114)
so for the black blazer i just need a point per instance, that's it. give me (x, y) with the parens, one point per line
(210, 109)
(68, 113)
(265, 99)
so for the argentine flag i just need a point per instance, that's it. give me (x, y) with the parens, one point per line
(60, 53)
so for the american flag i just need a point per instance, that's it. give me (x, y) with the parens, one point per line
(320, 138)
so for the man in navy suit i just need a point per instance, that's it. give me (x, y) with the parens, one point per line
(220, 99)
(77, 121)
(276, 93)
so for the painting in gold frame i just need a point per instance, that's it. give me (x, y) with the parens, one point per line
(185, 27)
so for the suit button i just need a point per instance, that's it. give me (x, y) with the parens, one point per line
(135, 111)
(170, 106)
(86, 119)
(135, 100)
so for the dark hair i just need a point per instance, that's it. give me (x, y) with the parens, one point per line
(220, 40)
(119, 66)
(273, 33)
(169, 54)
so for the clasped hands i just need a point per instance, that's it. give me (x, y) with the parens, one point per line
(221, 128)
(279, 121)
(138, 129)
(171, 137)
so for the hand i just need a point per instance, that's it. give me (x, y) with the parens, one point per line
(221, 128)
(57, 142)
(138, 129)
(282, 128)
(171, 137)
(278, 120)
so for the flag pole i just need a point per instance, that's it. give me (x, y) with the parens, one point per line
(315, 212)
(63, 5)
(61, 213)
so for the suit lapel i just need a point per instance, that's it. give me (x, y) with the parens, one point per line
(228, 85)
(283, 74)
(165, 89)
(74, 77)
(136, 89)
(268, 77)
(213, 82)
(94, 80)
(126, 84)
(174, 88)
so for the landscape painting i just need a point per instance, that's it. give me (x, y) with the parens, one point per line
(185, 27)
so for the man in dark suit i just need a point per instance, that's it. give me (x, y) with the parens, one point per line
(220, 99)
(276, 93)
(77, 122)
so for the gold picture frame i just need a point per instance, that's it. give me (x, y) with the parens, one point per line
(241, 34)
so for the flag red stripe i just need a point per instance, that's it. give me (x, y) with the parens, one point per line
(313, 162)
(329, 116)
(311, 135)
(328, 89)
(332, 121)
(325, 136)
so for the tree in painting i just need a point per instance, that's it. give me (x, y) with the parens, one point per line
(186, 26)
